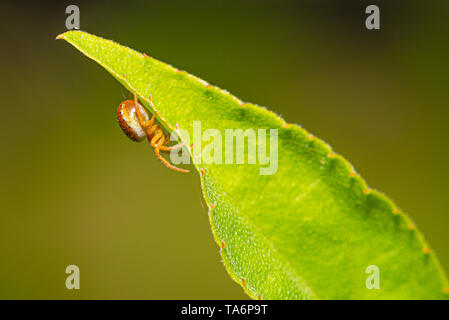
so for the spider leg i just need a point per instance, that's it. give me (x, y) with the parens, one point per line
(158, 134)
(159, 138)
(151, 130)
(165, 162)
(143, 124)
(176, 146)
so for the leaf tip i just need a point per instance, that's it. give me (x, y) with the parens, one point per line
(65, 34)
(60, 36)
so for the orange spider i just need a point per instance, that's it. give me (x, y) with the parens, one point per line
(137, 125)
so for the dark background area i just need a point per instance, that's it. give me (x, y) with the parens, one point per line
(75, 190)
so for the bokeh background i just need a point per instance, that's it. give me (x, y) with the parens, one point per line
(75, 190)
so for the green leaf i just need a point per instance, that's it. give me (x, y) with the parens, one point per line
(310, 230)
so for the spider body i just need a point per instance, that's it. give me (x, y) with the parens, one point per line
(137, 125)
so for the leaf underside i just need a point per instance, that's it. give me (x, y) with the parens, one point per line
(307, 232)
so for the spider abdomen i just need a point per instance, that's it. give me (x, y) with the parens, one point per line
(129, 122)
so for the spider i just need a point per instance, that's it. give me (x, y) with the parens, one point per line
(137, 125)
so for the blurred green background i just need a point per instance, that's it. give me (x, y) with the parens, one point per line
(75, 190)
